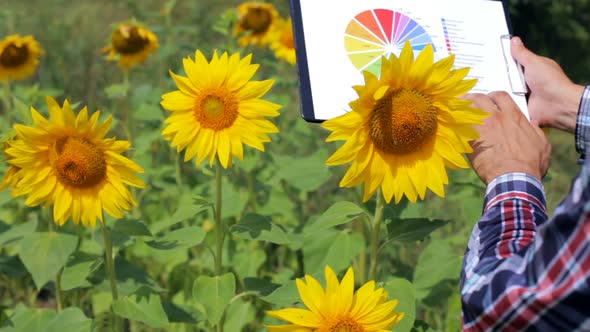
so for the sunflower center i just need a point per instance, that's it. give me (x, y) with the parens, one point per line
(13, 55)
(127, 40)
(216, 110)
(256, 19)
(345, 324)
(78, 162)
(402, 121)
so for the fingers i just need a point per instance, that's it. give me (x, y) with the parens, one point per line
(483, 102)
(504, 102)
(520, 52)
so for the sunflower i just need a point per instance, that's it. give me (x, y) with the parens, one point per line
(256, 20)
(217, 109)
(133, 43)
(338, 307)
(65, 161)
(406, 126)
(19, 57)
(10, 178)
(283, 43)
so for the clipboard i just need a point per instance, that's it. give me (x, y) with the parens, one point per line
(336, 40)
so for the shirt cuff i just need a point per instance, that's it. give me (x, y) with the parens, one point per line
(515, 186)
(583, 123)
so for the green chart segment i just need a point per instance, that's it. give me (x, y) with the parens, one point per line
(374, 33)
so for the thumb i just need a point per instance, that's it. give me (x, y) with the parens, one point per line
(520, 52)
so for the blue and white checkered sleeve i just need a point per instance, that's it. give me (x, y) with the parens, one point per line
(583, 124)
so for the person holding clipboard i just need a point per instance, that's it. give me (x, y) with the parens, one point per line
(524, 271)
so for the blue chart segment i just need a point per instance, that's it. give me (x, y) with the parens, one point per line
(374, 33)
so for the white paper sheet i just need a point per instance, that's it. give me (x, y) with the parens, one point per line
(345, 37)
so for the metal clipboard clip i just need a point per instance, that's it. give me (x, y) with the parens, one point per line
(513, 69)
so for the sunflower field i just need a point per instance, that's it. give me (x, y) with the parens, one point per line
(157, 174)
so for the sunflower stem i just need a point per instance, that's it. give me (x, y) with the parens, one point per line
(219, 235)
(178, 170)
(110, 267)
(375, 227)
(126, 112)
(7, 100)
(218, 221)
(58, 293)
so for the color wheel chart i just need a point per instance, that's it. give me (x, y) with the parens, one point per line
(377, 32)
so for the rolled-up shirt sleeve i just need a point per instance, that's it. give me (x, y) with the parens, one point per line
(583, 124)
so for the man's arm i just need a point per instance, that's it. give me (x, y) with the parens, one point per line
(521, 271)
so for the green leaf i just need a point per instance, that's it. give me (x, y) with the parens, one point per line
(71, 320)
(149, 112)
(16, 232)
(214, 294)
(78, 268)
(453, 321)
(422, 326)
(239, 314)
(177, 314)
(44, 254)
(436, 263)
(338, 214)
(336, 249)
(248, 260)
(403, 290)
(233, 200)
(144, 306)
(306, 174)
(278, 203)
(12, 266)
(412, 229)
(180, 238)
(28, 320)
(116, 90)
(131, 227)
(286, 295)
(5, 195)
(131, 278)
(258, 227)
(184, 212)
(262, 287)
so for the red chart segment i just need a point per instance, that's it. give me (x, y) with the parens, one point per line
(386, 19)
(369, 21)
(379, 32)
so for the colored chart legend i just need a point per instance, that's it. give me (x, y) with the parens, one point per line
(447, 39)
(374, 33)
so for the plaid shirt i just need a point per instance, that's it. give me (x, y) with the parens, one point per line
(522, 270)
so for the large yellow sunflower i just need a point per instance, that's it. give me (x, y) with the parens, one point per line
(283, 42)
(255, 22)
(218, 108)
(19, 57)
(406, 126)
(65, 161)
(133, 43)
(338, 307)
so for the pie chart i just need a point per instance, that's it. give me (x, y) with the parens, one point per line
(374, 33)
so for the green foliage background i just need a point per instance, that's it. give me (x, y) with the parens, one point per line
(286, 215)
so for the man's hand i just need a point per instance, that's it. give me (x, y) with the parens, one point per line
(554, 99)
(508, 141)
